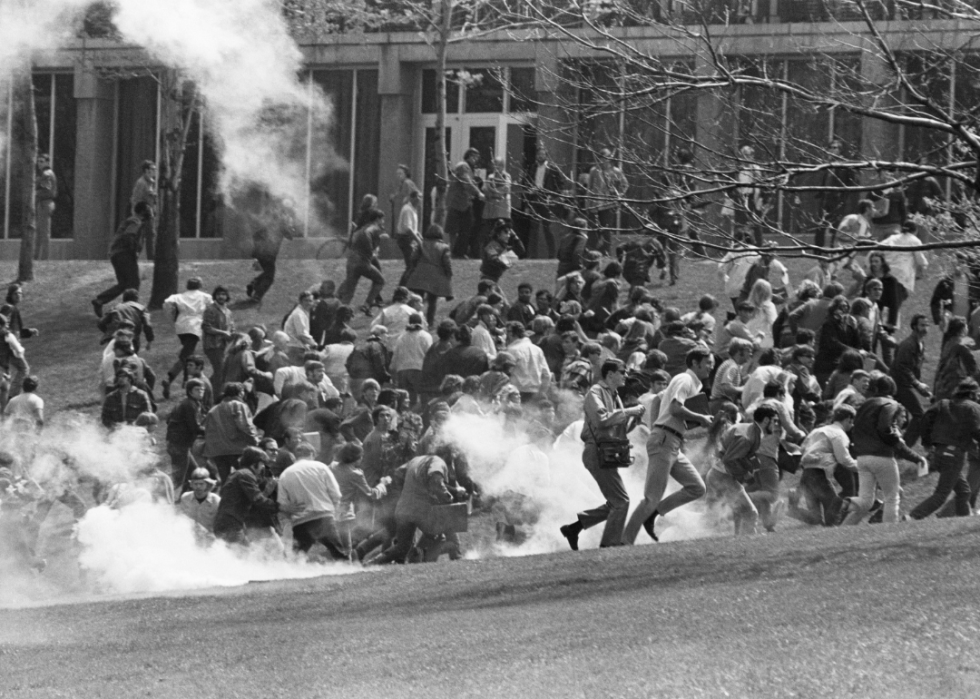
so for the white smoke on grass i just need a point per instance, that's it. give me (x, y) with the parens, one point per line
(504, 460)
(136, 546)
(145, 547)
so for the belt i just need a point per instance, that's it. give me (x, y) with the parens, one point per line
(674, 432)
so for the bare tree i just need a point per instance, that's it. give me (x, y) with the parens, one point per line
(23, 145)
(695, 82)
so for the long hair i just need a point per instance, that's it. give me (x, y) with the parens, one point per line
(761, 293)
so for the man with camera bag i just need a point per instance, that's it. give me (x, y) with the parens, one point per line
(606, 450)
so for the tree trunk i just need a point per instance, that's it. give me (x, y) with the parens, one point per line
(178, 113)
(442, 49)
(24, 154)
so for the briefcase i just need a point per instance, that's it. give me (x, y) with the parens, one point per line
(444, 519)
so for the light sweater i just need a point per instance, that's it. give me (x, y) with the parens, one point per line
(310, 484)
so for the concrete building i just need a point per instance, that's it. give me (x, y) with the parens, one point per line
(98, 107)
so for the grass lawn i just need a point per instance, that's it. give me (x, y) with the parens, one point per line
(866, 611)
(884, 611)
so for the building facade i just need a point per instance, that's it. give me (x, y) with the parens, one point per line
(99, 104)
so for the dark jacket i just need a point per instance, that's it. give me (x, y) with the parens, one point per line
(464, 360)
(739, 446)
(877, 430)
(369, 360)
(185, 424)
(426, 478)
(571, 248)
(135, 313)
(431, 269)
(956, 362)
(113, 413)
(128, 239)
(833, 340)
(906, 369)
(322, 318)
(952, 423)
(241, 496)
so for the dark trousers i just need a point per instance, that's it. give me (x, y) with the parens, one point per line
(224, 464)
(820, 496)
(764, 491)
(127, 271)
(463, 232)
(949, 461)
(358, 267)
(405, 244)
(909, 400)
(263, 282)
(324, 531)
(542, 228)
(613, 511)
(847, 480)
(404, 540)
(216, 355)
(181, 464)
(188, 343)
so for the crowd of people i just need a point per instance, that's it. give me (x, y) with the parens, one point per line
(338, 436)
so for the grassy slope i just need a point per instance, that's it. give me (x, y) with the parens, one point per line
(884, 611)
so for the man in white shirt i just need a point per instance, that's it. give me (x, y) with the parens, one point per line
(664, 448)
(26, 410)
(824, 450)
(395, 317)
(482, 337)
(311, 488)
(905, 266)
(531, 374)
(408, 356)
(297, 326)
(407, 233)
(187, 312)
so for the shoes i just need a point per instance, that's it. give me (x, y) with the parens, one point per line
(648, 526)
(570, 532)
(97, 307)
(366, 310)
(793, 498)
(165, 388)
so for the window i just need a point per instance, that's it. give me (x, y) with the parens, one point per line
(487, 90)
(54, 105)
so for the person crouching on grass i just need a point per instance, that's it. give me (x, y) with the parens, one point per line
(737, 460)
(242, 498)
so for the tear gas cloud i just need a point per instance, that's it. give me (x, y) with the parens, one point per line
(243, 62)
(137, 547)
(539, 489)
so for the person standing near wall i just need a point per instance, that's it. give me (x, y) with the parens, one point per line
(145, 190)
(45, 192)
(460, 223)
(607, 184)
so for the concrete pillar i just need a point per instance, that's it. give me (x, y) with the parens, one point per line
(95, 107)
(556, 121)
(396, 88)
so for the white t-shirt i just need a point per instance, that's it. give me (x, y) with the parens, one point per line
(187, 310)
(681, 388)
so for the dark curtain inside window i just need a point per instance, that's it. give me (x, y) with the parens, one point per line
(136, 138)
(331, 146)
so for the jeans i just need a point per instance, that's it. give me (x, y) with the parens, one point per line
(723, 486)
(949, 461)
(665, 459)
(358, 267)
(216, 355)
(613, 512)
(127, 271)
(180, 466)
(875, 471)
